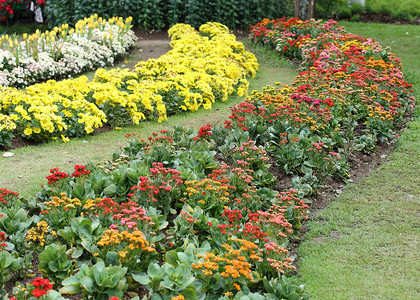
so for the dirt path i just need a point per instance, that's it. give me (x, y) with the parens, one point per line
(153, 48)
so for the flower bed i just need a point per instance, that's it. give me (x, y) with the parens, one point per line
(164, 215)
(202, 68)
(63, 52)
(350, 95)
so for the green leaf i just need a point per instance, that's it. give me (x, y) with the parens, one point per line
(110, 190)
(77, 253)
(141, 278)
(88, 283)
(53, 266)
(190, 293)
(112, 258)
(183, 258)
(171, 257)
(71, 281)
(153, 270)
(69, 290)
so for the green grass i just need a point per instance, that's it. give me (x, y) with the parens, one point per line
(26, 170)
(398, 9)
(364, 244)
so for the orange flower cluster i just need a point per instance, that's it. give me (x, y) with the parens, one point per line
(130, 240)
(233, 263)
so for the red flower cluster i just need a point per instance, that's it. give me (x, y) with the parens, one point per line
(8, 5)
(79, 171)
(42, 287)
(107, 205)
(56, 175)
(204, 132)
(6, 195)
(2, 240)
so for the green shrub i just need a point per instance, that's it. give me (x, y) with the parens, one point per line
(332, 8)
(160, 14)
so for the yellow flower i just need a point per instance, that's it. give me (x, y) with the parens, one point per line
(65, 139)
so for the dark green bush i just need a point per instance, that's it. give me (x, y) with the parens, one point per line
(160, 14)
(325, 9)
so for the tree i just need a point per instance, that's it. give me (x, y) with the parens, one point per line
(304, 9)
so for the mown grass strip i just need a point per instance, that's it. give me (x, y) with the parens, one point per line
(364, 244)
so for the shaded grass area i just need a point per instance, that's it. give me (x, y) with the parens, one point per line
(26, 170)
(20, 28)
(364, 245)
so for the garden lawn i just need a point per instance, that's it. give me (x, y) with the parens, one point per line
(364, 245)
(26, 170)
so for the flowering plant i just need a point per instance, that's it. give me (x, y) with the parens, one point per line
(6, 7)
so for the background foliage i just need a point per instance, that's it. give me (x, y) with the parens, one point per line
(397, 9)
(159, 14)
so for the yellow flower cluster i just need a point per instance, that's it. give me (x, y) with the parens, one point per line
(62, 202)
(6, 123)
(202, 68)
(39, 233)
(207, 188)
(52, 109)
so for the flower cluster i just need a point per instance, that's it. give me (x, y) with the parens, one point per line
(101, 206)
(42, 286)
(63, 51)
(80, 171)
(233, 264)
(3, 238)
(7, 197)
(204, 132)
(159, 189)
(40, 233)
(56, 175)
(197, 72)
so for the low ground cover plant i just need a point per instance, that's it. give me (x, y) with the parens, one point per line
(202, 68)
(218, 227)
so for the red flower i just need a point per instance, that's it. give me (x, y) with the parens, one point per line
(204, 131)
(42, 287)
(79, 171)
(38, 293)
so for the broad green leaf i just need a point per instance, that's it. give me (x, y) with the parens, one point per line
(141, 278)
(153, 270)
(69, 290)
(88, 283)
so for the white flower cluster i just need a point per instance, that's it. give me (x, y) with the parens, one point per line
(76, 55)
